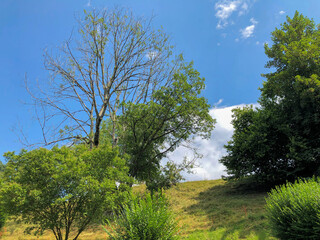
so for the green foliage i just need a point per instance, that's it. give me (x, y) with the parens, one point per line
(294, 210)
(174, 114)
(3, 215)
(166, 177)
(293, 91)
(280, 140)
(144, 219)
(258, 148)
(64, 188)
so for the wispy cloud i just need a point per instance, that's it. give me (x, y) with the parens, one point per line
(218, 103)
(282, 12)
(225, 8)
(244, 9)
(248, 31)
(253, 21)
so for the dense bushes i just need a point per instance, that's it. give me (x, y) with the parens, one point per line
(294, 210)
(144, 219)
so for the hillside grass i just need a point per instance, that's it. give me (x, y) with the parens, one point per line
(212, 209)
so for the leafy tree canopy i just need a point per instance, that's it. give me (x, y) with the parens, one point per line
(64, 189)
(173, 115)
(280, 140)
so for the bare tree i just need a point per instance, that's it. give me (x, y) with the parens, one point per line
(117, 58)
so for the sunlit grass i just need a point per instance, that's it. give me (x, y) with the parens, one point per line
(205, 210)
(208, 209)
(14, 231)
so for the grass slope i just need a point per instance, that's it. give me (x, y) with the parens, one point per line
(219, 210)
(205, 209)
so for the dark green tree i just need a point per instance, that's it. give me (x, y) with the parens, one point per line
(293, 90)
(64, 189)
(281, 140)
(258, 147)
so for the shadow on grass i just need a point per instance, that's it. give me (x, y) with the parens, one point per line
(236, 208)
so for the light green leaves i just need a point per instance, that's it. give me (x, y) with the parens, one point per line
(174, 114)
(64, 188)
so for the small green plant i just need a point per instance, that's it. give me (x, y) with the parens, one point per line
(145, 219)
(294, 210)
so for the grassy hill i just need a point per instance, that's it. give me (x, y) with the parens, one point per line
(205, 210)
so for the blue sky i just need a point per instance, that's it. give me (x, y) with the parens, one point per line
(224, 38)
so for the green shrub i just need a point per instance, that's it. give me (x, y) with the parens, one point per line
(294, 210)
(64, 190)
(145, 219)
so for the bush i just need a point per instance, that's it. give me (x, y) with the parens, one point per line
(65, 189)
(294, 210)
(145, 219)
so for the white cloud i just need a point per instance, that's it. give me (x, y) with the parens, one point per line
(225, 8)
(236, 40)
(218, 103)
(89, 3)
(244, 9)
(248, 31)
(253, 21)
(282, 12)
(212, 149)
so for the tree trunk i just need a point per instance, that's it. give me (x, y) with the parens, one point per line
(97, 132)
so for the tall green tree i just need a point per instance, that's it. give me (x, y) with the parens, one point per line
(282, 136)
(173, 115)
(64, 189)
(294, 89)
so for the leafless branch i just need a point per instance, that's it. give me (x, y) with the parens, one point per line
(116, 58)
